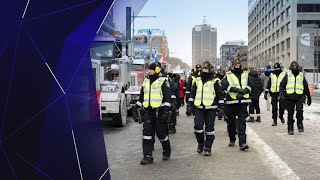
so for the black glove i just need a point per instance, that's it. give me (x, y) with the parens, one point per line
(309, 101)
(221, 112)
(174, 105)
(282, 98)
(243, 91)
(266, 95)
(239, 96)
(164, 117)
(234, 89)
(190, 108)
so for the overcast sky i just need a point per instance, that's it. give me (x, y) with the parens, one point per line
(177, 18)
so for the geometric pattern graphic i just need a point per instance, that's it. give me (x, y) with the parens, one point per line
(49, 120)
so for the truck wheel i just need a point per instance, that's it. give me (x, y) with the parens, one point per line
(121, 118)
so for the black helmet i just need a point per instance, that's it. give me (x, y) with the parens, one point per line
(197, 67)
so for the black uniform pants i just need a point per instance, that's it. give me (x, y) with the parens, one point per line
(207, 117)
(173, 120)
(238, 124)
(254, 105)
(274, 103)
(151, 126)
(291, 104)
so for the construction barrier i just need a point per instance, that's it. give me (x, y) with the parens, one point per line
(311, 88)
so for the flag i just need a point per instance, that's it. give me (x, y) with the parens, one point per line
(155, 56)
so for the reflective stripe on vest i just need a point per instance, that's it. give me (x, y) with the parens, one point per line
(193, 80)
(155, 96)
(234, 82)
(275, 81)
(205, 93)
(295, 84)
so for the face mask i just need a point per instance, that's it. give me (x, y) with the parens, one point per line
(267, 73)
(238, 70)
(154, 76)
(277, 72)
(295, 71)
(205, 75)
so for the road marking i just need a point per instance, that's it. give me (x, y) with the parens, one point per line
(75, 146)
(25, 9)
(105, 16)
(55, 78)
(278, 167)
(104, 174)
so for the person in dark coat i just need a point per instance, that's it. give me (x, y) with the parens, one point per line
(255, 93)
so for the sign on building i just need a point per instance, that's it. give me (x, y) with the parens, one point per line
(306, 45)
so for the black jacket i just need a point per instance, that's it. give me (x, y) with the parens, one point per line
(225, 85)
(189, 85)
(257, 86)
(217, 88)
(293, 96)
(166, 92)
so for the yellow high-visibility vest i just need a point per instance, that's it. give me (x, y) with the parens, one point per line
(234, 82)
(275, 81)
(295, 84)
(193, 80)
(153, 93)
(205, 93)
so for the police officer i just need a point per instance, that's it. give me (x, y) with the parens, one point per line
(273, 88)
(191, 80)
(294, 88)
(265, 78)
(174, 87)
(206, 94)
(221, 109)
(238, 86)
(155, 99)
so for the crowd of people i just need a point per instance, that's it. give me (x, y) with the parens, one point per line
(233, 96)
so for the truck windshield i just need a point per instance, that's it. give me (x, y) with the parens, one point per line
(101, 50)
(137, 67)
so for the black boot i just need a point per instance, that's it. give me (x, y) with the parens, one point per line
(274, 123)
(243, 147)
(147, 159)
(166, 154)
(258, 119)
(200, 148)
(291, 132)
(231, 144)
(300, 128)
(251, 120)
(282, 119)
(207, 152)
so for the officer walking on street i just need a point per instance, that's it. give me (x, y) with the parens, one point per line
(190, 83)
(273, 87)
(294, 87)
(265, 78)
(206, 94)
(238, 86)
(155, 98)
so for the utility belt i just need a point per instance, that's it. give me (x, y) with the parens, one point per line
(157, 111)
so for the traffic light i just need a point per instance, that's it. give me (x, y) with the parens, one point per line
(118, 47)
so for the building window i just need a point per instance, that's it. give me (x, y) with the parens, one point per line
(273, 23)
(273, 50)
(282, 46)
(269, 39)
(277, 47)
(282, 30)
(288, 11)
(282, 16)
(308, 7)
(281, 3)
(288, 43)
(278, 7)
(278, 20)
(278, 34)
(288, 27)
(273, 37)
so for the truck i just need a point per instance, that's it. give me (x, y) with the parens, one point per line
(112, 77)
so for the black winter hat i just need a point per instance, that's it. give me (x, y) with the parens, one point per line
(153, 66)
(276, 66)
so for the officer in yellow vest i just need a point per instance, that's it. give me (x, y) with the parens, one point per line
(155, 97)
(191, 80)
(238, 86)
(206, 94)
(273, 88)
(294, 88)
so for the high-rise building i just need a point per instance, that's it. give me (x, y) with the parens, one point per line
(204, 43)
(228, 52)
(273, 29)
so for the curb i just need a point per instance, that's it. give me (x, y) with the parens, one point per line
(278, 167)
